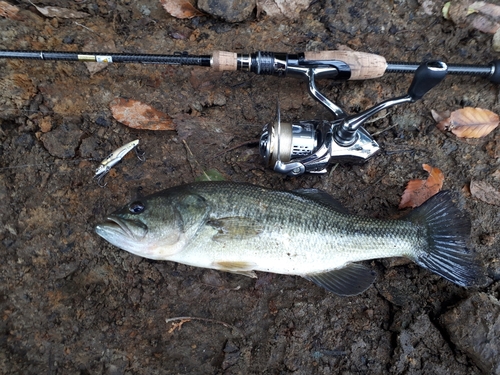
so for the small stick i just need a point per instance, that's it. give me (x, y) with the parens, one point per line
(384, 130)
(185, 319)
(194, 159)
(237, 146)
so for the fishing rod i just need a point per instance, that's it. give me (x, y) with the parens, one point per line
(302, 146)
(360, 65)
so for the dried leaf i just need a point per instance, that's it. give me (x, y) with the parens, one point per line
(56, 12)
(210, 175)
(418, 191)
(96, 45)
(485, 192)
(138, 115)
(181, 8)
(8, 11)
(470, 122)
(480, 15)
(485, 25)
(428, 6)
(485, 8)
(439, 116)
(283, 8)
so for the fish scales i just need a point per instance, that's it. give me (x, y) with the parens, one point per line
(298, 234)
(243, 228)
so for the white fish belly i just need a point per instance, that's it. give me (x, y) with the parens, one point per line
(297, 254)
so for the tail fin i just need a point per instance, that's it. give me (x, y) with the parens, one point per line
(447, 229)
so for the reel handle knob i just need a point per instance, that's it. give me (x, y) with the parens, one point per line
(427, 76)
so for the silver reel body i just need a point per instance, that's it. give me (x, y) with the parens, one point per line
(309, 146)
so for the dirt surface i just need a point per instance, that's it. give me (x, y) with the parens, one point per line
(73, 304)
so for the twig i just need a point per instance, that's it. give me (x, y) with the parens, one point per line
(384, 130)
(185, 319)
(194, 159)
(85, 27)
(237, 146)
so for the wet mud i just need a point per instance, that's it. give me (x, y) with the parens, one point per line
(73, 304)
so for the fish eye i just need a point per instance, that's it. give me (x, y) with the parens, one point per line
(136, 207)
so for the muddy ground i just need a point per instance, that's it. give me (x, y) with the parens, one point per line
(73, 304)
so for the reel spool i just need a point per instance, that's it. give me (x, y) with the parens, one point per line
(284, 141)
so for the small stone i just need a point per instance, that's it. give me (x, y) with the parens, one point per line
(68, 39)
(496, 41)
(229, 10)
(101, 121)
(45, 124)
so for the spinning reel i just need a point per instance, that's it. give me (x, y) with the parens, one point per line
(309, 146)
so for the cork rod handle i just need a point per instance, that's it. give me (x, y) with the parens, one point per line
(363, 65)
(222, 60)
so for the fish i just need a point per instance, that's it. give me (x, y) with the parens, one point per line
(243, 228)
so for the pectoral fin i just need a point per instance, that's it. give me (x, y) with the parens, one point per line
(240, 268)
(235, 228)
(348, 281)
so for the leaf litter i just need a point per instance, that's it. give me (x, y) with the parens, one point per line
(485, 192)
(418, 191)
(181, 8)
(138, 115)
(8, 11)
(467, 122)
(57, 12)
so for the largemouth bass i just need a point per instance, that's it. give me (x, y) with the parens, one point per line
(243, 228)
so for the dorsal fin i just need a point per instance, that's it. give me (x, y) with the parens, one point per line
(323, 197)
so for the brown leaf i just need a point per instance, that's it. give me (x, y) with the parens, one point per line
(98, 45)
(485, 192)
(418, 191)
(480, 15)
(485, 8)
(487, 17)
(8, 11)
(181, 8)
(138, 115)
(54, 12)
(470, 122)
(439, 116)
(485, 25)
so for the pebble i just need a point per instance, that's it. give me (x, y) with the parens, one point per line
(228, 10)
(496, 41)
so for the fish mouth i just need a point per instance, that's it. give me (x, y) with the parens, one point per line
(116, 227)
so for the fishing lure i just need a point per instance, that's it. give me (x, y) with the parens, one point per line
(115, 157)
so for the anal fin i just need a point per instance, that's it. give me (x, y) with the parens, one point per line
(347, 281)
(240, 268)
